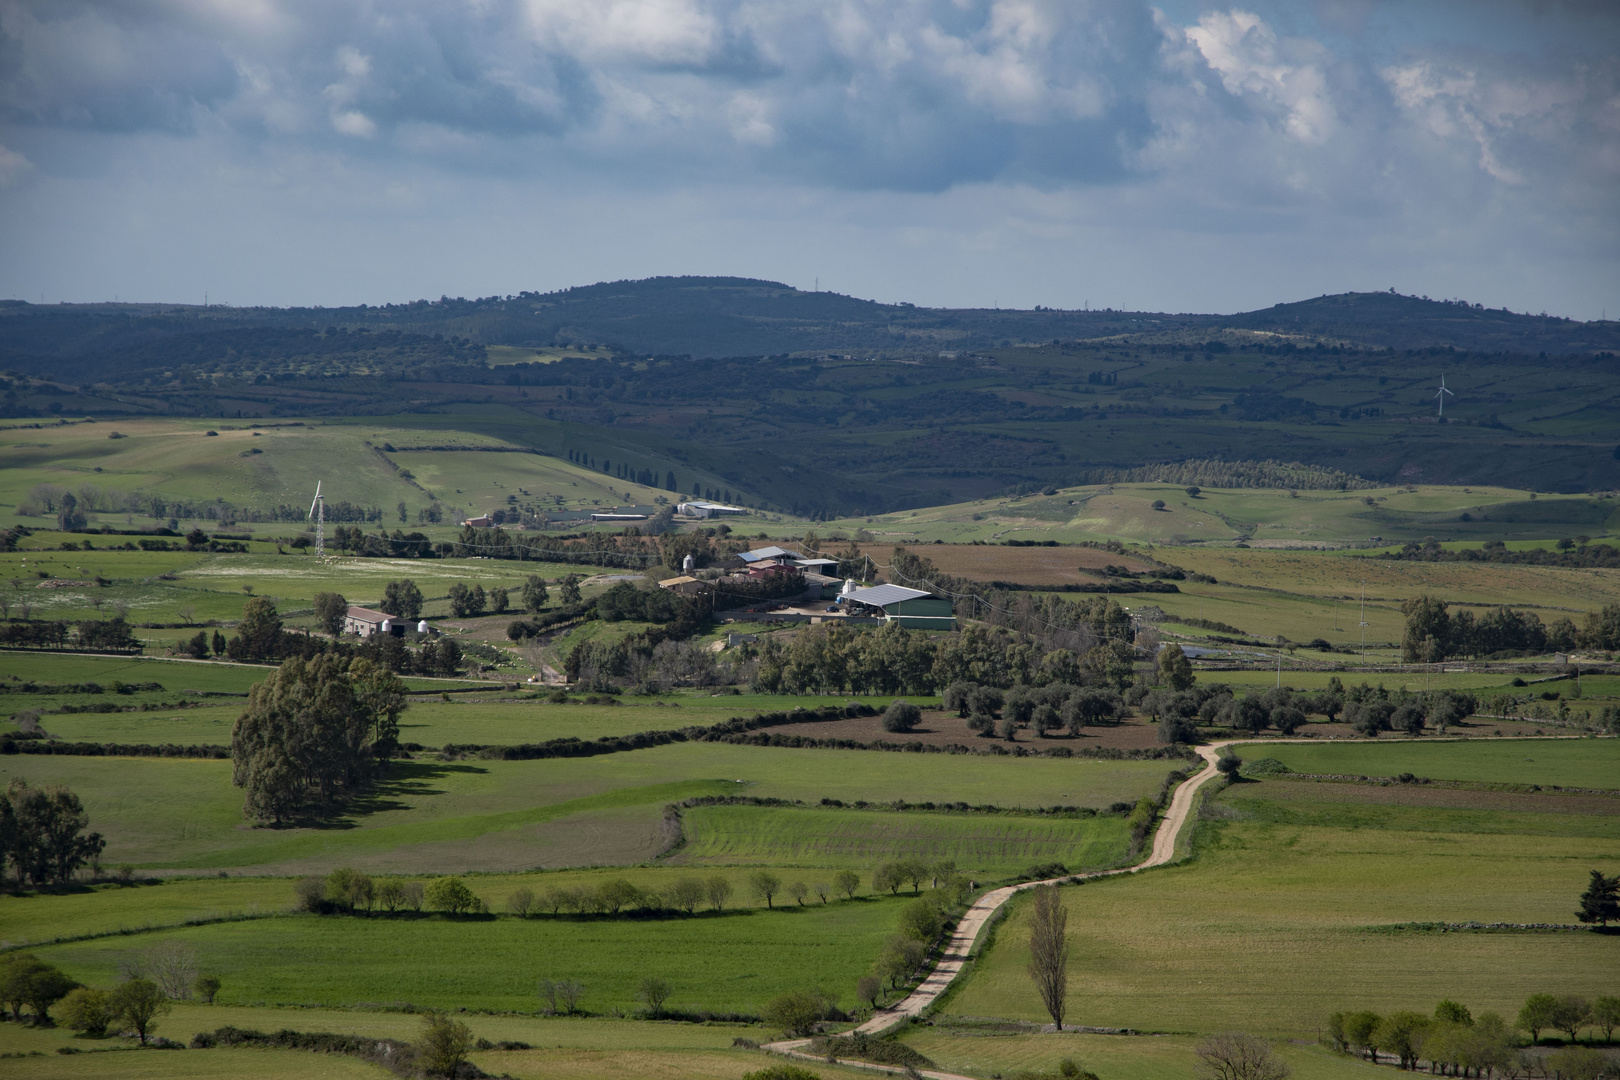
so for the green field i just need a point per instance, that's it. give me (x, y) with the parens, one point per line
(1587, 763)
(978, 1052)
(1125, 512)
(980, 845)
(593, 1048)
(175, 813)
(731, 961)
(1273, 925)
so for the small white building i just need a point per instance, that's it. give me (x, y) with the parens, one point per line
(698, 508)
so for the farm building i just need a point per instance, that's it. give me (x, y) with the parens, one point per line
(911, 608)
(618, 517)
(365, 622)
(768, 556)
(686, 585)
(698, 508)
(482, 522)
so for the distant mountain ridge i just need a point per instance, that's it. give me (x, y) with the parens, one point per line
(731, 316)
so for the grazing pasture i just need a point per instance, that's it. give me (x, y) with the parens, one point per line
(981, 845)
(730, 961)
(1287, 913)
(1588, 763)
(179, 813)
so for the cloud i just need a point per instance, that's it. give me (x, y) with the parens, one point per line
(1252, 62)
(1193, 120)
(12, 166)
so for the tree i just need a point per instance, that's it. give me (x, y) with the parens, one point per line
(1287, 719)
(901, 716)
(258, 634)
(402, 598)
(719, 891)
(521, 902)
(498, 599)
(1175, 669)
(27, 980)
(847, 882)
(1049, 951)
(901, 956)
(570, 589)
(798, 890)
(1428, 629)
(765, 886)
(43, 833)
(1228, 766)
(1578, 1063)
(686, 894)
(1539, 1011)
(1158, 504)
(653, 992)
(207, 987)
(390, 895)
(450, 895)
(534, 593)
(887, 876)
(138, 1003)
(88, 1010)
(1401, 1034)
(1606, 1015)
(313, 730)
(921, 921)
(1601, 900)
(1361, 1031)
(869, 988)
(1452, 1012)
(174, 969)
(330, 610)
(796, 1012)
(1570, 1014)
(443, 1045)
(1238, 1057)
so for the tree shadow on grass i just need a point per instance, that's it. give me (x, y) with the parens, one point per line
(404, 779)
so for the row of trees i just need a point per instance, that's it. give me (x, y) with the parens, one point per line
(313, 732)
(42, 834)
(1455, 1041)
(1433, 632)
(347, 891)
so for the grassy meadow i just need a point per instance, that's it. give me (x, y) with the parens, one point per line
(1287, 913)
(1584, 763)
(183, 813)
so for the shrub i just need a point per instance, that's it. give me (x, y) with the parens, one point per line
(1238, 1057)
(782, 1072)
(88, 1010)
(653, 992)
(1228, 765)
(901, 716)
(921, 920)
(444, 1044)
(450, 895)
(796, 1012)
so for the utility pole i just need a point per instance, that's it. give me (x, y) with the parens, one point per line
(1364, 622)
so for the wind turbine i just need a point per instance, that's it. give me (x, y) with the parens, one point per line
(317, 510)
(1440, 395)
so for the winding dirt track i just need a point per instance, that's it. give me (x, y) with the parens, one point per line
(972, 922)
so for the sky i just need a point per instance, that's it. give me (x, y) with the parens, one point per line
(965, 153)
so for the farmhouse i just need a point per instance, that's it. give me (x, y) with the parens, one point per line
(365, 622)
(911, 608)
(767, 556)
(686, 585)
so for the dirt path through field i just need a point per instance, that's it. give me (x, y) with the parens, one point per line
(967, 930)
(973, 921)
